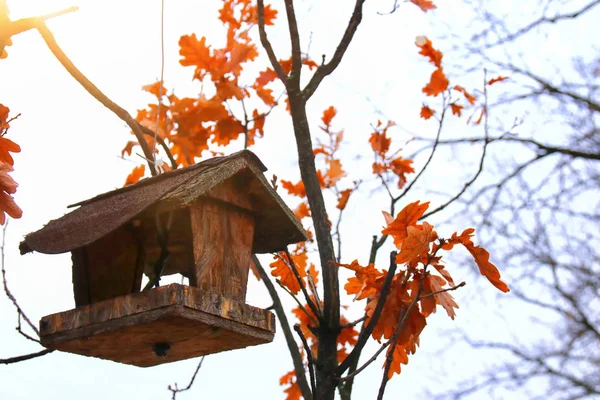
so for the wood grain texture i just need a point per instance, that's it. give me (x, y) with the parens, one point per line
(125, 329)
(222, 242)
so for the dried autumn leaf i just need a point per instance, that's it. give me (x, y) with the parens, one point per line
(155, 88)
(302, 210)
(424, 5)
(426, 112)
(294, 189)
(343, 198)
(7, 185)
(444, 299)
(380, 143)
(497, 79)
(7, 146)
(334, 173)
(293, 390)
(416, 242)
(135, 175)
(328, 115)
(281, 268)
(409, 216)
(470, 99)
(266, 76)
(481, 256)
(128, 148)
(456, 109)
(437, 84)
(427, 50)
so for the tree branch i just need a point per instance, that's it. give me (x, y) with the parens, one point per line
(264, 40)
(96, 93)
(287, 332)
(295, 40)
(25, 357)
(366, 332)
(328, 68)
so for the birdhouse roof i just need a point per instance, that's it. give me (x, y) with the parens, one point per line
(276, 224)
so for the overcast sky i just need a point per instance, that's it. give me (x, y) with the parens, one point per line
(71, 151)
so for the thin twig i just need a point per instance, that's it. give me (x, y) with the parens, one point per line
(264, 40)
(309, 358)
(25, 357)
(176, 390)
(287, 332)
(294, 269)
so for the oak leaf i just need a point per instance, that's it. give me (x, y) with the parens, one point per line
(444, 299)
(328, 115)
(424, 5)
(343, 198)
(426, 112)
(437, 84)
(456, 109)
(497, 79)
(427, 50)
(7, 146)
(416, 242)
(471, 99)
(294, 189)
(281, 268)
(408, 216)
(135, 175)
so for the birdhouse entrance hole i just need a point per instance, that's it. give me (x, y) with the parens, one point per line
(201, 224)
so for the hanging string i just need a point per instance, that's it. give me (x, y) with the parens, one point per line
(162, 73)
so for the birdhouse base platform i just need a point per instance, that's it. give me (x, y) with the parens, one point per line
(162, 325)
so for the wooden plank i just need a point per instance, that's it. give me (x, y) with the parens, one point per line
(81, 280)
(111, 265)
(126, 329)
(222, 240)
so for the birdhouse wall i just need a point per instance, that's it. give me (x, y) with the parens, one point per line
(107, 268)
(222, 240)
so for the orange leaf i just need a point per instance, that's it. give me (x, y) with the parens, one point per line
(497, 79)
(293, 390)
(334, 173)
(227, 89)
(481, 256)
(416, 243)
(470, 99)
(266, 76)
(135, 175)
(343, 198)
(437, 84)
(281, 269)
(426, 112)
(380, 143)
(444, 299)
(266, 95)
(401, 166)
(128, 148)
(409, 216)
(7, 146)
(154, 88)
(8, 206)
(328, 115)
(424, 5)
(456, 109)
(427, 50)
(302, 211)
(295, 190)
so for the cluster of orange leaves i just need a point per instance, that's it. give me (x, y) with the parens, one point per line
(386, 162)
(189, 125)
(439, 83)
(332, 172)
(7, 184)
(415, 291)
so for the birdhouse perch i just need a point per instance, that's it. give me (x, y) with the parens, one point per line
(203, 222)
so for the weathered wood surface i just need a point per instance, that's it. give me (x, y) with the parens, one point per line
(222, 242)
(106, 268)
(126, 329)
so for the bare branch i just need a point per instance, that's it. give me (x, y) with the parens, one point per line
(329, 67)
(96, 93)
(287, 332)
(174, 389)
(267, 44)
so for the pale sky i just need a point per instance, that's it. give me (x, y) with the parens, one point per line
(71, 151)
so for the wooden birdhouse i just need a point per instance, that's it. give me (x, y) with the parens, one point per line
(203, 222)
